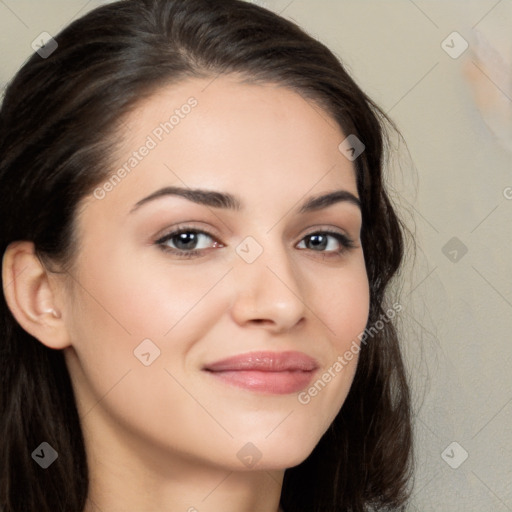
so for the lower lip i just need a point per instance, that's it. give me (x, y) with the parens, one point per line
(278, 383)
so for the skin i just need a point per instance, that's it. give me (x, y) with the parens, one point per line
(166, 436)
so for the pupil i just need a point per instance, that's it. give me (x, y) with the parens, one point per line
(188, 239)
(314, 240)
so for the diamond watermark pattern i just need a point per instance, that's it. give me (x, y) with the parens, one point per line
(146, 352)
(44, 455)
(249, 249)
(454, 250)
(454, 45)
(454, 455)
(351, 147)
(44, 44)
(249, 455)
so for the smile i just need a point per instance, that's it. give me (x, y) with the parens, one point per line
(266, 372)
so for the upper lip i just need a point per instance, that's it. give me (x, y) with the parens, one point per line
(265, 362)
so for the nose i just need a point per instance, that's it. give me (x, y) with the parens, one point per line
(267, 291)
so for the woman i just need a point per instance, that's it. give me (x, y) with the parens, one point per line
(197, 244)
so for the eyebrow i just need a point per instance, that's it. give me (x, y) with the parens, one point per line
(230, 202)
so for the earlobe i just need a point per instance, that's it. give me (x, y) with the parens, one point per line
(31, 296)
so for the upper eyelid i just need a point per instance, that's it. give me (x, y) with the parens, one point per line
(185, 229)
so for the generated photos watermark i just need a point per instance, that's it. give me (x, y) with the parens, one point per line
(156, 136)
(305, 397)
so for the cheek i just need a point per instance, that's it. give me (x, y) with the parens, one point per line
(345, 310)
(145, 297)
(118, 309)
(346, 306)
(122, 304)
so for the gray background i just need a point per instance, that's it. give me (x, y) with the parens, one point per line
(455, 180)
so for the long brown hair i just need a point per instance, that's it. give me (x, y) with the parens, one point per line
(63, 110)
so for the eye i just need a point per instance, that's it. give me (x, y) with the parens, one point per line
(327, 241)
(185, 242)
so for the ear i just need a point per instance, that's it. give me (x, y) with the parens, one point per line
(32, 296)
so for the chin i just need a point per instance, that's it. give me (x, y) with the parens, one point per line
(283, 453)
(283, 461)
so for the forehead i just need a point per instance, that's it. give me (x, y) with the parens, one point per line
(260, 140)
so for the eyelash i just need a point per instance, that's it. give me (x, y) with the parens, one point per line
(345, 242)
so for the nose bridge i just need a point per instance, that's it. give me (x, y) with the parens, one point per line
(266, 284)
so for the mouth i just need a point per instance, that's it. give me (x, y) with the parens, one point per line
(266, 372)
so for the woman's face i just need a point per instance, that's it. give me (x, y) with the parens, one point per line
(147, 324)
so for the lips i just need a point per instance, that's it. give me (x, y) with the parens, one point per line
(266, 372)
